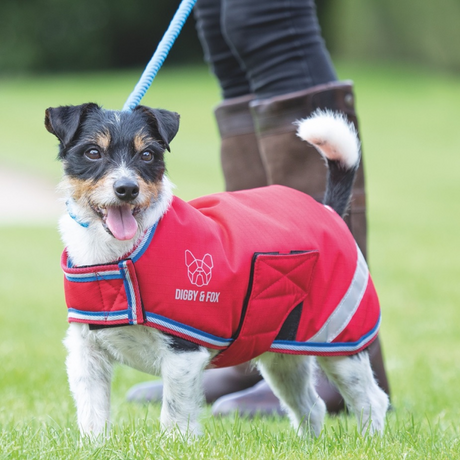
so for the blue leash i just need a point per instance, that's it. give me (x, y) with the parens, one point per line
(163, 48)
(160, 54)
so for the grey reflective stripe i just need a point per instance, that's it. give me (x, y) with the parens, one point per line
(347, 307)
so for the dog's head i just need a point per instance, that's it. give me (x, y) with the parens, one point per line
(113, 161)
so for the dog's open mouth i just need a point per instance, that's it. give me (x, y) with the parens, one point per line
(119, 220)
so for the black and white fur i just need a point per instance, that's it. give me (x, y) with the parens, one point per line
(116, 159)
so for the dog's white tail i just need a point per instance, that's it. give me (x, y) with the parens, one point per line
(337, 141)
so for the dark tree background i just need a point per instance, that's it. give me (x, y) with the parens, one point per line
(50, 35)
(70, 35)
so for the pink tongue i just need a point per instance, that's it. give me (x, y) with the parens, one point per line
(121, 222)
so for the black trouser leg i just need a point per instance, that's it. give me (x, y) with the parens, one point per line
(217, 53)
(269, 47)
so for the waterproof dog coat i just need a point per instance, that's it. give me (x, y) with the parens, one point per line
(247, 272)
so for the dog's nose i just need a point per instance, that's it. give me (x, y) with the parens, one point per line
(126, 189)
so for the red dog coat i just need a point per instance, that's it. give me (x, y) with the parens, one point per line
(268, 269)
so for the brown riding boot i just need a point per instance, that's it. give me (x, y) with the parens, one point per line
(241, 162)
(216, 383)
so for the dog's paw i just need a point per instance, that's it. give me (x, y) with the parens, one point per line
(90, 438)
(188, 434)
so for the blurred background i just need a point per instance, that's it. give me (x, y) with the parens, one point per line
(404, 57)
(47, 36)
(67, 52)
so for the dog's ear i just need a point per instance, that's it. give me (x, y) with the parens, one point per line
(166, 123)
(207, 260)
(64, 121)
(189, 258)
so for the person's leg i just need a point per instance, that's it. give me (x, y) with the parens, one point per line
(239, 149)
(223, 63)
(240, 158)
(279, 45)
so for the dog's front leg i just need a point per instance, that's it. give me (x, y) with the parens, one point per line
(183, 394)
(89, 369)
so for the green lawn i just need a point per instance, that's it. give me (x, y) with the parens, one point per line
(409, 122)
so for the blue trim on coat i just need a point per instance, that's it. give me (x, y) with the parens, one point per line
(189, 331)
(93, 277)
(105, 314)
(332, 347)
(144, 244)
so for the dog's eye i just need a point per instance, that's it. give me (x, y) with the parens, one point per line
(147, 156)
(93, 154)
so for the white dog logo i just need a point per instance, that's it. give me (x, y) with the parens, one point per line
(199, 271)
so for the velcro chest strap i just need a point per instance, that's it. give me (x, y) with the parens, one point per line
(102, 294)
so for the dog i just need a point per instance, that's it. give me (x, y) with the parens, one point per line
(276, 276)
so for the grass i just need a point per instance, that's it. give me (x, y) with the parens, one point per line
(411, 142)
